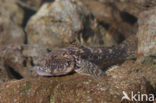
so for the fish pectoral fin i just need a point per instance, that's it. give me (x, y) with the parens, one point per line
(88, 68)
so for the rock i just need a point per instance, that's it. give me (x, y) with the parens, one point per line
(33, 50)
(11, 37)
(14, 61)
(10, 10)
(123, 12)
(10, 31)
(147, 37)
(27, 91)
(133, 7)
(32, 54)
(31, 4)
(105, 90)
(75, 88)
(51, 27)
(135, 69)
(20, 59)
(111, 16)
(147, 33)
(59, 23)
(4, 77)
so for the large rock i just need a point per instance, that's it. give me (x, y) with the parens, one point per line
(78, 88)
(9, 9)
(12, 37)
(10, 33)
(14, 61)
(133, 7)
(147, 37)
(18, 60)
(123, 12)
(116, 21)
(32, 53)
(132, 68)
(147, 33)
(4, 77)
(31, 4)
(59, 23)
(11, 17)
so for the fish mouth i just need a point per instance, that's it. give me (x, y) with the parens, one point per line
(41, 72)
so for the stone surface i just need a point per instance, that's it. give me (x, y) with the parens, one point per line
(13, 59)
(59, 23)
(147, 37)
(10, 10)
(31, 4)
(20, 59)
(111, 17)
(147, 33)
(10, 31)
(4, 77)
(133, 7)
(11, 37)
(31, 54)
(77, 88)
(133, 68)
(51, 27)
